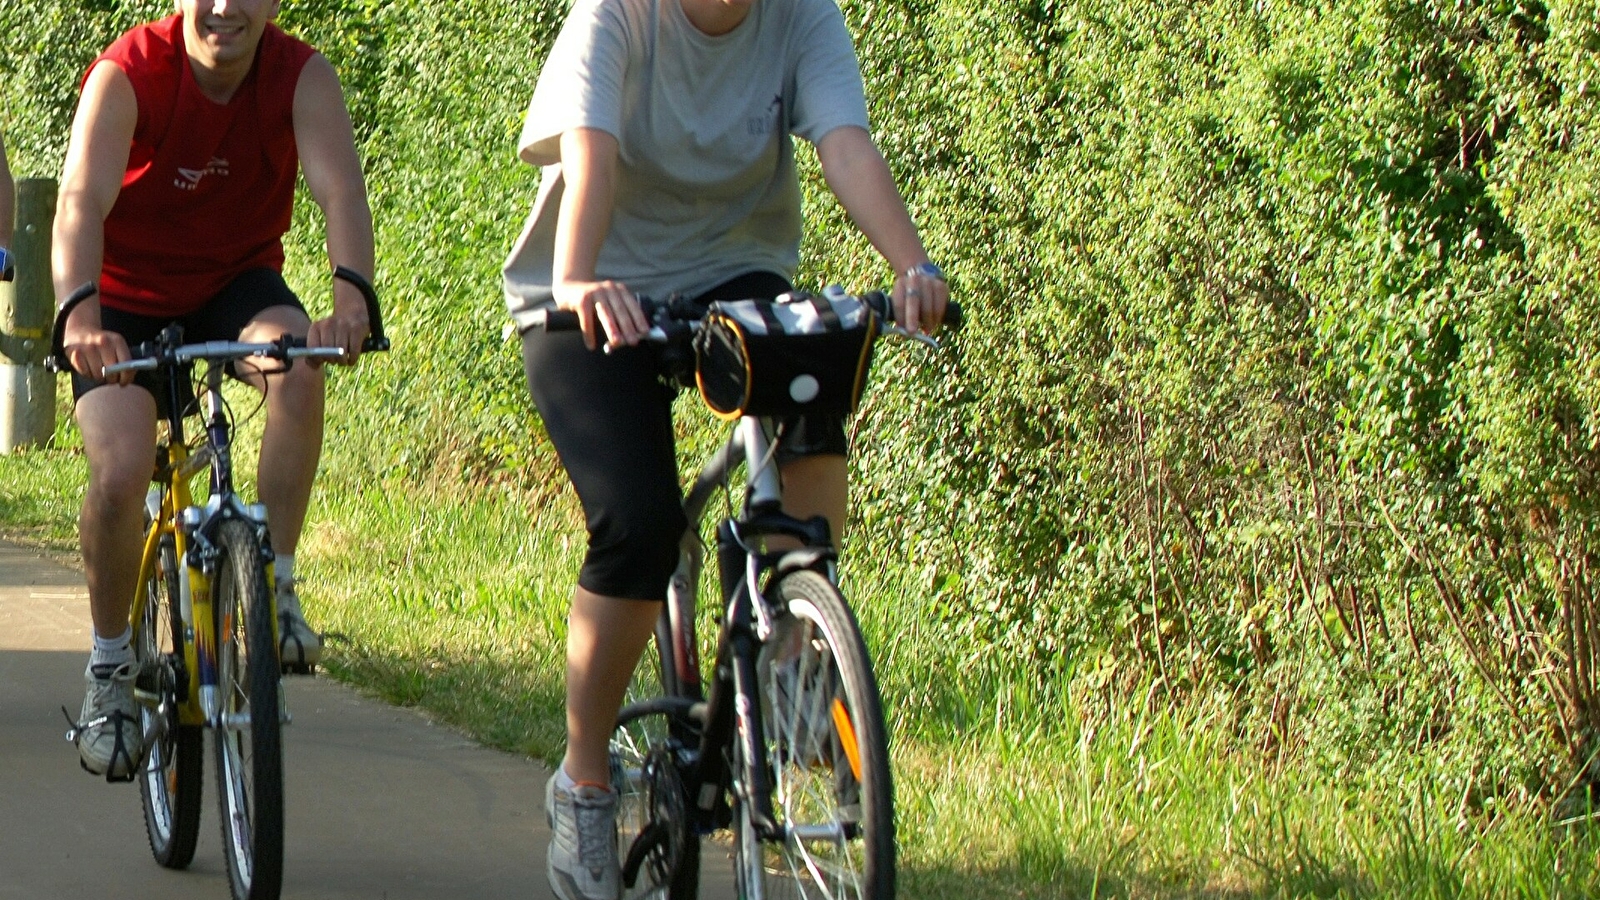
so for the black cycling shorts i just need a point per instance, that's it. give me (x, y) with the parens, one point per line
(609, 416)
(245, 297)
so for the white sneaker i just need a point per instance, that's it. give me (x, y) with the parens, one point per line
(583, 843)
(108, 736)
(299, 648)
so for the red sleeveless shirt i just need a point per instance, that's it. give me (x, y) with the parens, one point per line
(210, 187)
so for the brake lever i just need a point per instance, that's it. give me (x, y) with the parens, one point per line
(919, 337)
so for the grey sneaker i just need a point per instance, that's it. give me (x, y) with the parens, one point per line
(299, 648)
(107, 733)
(583, 843)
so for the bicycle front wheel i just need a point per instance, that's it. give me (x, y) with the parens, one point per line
(827, 749)
(169, 786)
(248, 743)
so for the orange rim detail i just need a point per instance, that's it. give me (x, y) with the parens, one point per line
(847, 737)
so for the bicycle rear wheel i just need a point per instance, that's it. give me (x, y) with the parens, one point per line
(827, 748)
(248, 745)
(169, 786)
(654, 835)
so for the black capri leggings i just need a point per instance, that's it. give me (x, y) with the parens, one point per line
(609, 416)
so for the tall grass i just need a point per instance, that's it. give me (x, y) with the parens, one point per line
(1007, 785)
(452, 599)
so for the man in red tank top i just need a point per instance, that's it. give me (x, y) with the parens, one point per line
(177, 190)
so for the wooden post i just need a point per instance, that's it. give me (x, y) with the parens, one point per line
(27, 311)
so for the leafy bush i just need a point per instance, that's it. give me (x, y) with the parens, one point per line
(1282, 373)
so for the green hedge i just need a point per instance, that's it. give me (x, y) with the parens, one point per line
(1282, 375)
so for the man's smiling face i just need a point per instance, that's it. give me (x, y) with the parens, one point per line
(223, 34)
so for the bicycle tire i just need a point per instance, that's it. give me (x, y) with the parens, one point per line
(827, 748)
(248, 746)
(169, 786)
(645, 780)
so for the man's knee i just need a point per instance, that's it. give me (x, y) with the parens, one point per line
(118, 428)
(118, 479)
(303, 381)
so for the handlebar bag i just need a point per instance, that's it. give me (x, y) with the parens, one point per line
(799, 353)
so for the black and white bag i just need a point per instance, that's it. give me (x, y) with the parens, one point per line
(799, 353)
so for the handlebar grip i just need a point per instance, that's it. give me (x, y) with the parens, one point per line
(554, 320)
(954, 318)
(377, 341)
(132, 365)
(58, 362)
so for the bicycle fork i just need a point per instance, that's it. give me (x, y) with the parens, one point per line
(199, 612)
(735, 671)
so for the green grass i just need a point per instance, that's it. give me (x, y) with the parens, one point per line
(41, 489)
(453, 600)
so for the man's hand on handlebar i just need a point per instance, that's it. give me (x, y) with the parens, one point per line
(604, 308)
(348, 327)
(345, 329)
(91, 348)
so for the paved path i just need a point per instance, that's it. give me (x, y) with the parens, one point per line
(381, 804)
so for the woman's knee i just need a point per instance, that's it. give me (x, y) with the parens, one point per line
(632, 554)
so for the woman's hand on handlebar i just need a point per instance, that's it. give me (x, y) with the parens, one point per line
(919, 300)
(91, 348)
(606, 307)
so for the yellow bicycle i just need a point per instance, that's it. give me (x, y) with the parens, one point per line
(204, 618)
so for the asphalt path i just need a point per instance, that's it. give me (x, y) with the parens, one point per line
(381, 803)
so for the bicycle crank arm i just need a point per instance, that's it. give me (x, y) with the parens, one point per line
(156, 730)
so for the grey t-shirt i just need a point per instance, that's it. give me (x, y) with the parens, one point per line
(706, 182)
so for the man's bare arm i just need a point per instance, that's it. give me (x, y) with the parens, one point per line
(326, 142)
(97, 158)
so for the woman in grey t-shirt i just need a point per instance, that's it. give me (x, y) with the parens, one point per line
(665, 129)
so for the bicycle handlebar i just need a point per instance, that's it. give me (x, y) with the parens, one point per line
(375, 342)
(154, 354)
(680, 310)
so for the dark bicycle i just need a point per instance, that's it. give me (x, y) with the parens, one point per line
(787, 746)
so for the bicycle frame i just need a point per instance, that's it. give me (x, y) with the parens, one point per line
(747, 620)
(714, 755)
(190, 526)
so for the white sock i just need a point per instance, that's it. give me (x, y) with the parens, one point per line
(283, 570)
(108, 653)
(565, 782)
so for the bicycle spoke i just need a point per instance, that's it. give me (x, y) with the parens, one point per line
(830, 783)
(169, 788)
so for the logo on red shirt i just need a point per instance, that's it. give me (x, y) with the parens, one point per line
(189, 179)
